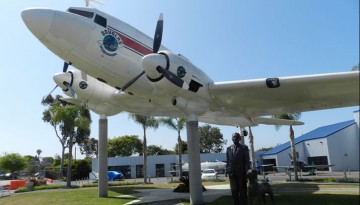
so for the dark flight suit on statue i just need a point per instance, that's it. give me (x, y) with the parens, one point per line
(238, 163)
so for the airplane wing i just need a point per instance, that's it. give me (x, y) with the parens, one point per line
(270, 96)
(319, 166)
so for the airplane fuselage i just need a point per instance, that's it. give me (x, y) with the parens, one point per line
(125, 71)
(112, 52)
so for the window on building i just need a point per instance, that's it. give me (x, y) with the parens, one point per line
(160, 171)
(139, 171)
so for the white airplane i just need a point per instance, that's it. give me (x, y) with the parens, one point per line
(219, 166)
(122, 69)
(304, 167)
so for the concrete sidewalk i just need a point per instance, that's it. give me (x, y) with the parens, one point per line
(167, 196)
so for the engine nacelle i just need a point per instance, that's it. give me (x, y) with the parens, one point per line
(178, 65)
(89, 91)
(190, 106)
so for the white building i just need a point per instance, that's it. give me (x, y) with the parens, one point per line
(336, 144)
(157, 166)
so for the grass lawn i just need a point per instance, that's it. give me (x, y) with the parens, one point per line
(89, 196)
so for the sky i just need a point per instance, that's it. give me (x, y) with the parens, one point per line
(228, 40)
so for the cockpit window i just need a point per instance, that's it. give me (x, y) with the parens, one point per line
(100, 20)
(86, 14)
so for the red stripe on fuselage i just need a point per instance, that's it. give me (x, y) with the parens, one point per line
(134, 45)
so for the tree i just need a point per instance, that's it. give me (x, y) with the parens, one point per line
(89, 148)
(290, 116)
(48, 117)
(145, 122)
(211, 140)
(74, 121)
(252, 152)
(176, 124)
(158, 150)
(184, 148)
(356, 67)
(31, 164)
(82, 168)
(38, 152)
(12, 163)
(125, 146)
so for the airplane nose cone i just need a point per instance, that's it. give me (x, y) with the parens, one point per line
(38, 21)
(150, 62)
(60, 78)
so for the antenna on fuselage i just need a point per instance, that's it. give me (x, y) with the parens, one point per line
(87, 2)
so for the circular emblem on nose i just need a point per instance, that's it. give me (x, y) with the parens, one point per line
(110, 43)
(83, 85)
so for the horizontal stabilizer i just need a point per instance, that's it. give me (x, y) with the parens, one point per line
(273, 121)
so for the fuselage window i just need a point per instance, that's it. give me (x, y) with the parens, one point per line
(86, 14)
(100, 20)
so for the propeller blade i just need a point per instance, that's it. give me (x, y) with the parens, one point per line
(72, 91)
(158, 34)
(156, 47)
(173, 78)
(66, 66)
(49, 93)
(128, 84)
(52, 90)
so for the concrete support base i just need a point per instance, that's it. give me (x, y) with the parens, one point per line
(103, 156)
(193, 140)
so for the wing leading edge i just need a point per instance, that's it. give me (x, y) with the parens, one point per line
(251, 98)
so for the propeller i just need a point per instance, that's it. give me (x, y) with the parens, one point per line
(45, 97)
(68, 85)
(173, 78)
(156, 47)
(158, 34)
(65, 67)
(72, 91)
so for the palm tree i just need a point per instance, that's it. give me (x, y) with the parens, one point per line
(145, 122)
(38, 152)
(252, 152)
(290, 116)
(356, 67)
(176, 124)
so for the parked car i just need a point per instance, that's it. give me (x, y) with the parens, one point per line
(209, 174)
(115, 176)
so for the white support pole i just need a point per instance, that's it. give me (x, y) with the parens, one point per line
(103, 156)
(193, 140)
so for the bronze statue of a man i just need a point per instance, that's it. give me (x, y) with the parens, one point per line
(238, 163)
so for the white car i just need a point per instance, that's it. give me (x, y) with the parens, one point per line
(209, 174)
